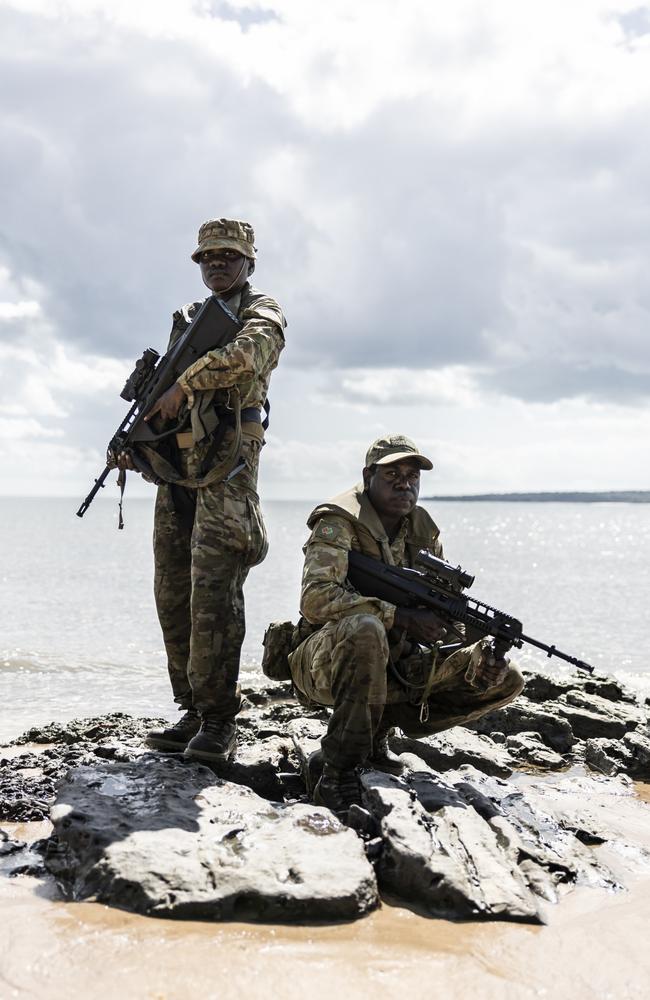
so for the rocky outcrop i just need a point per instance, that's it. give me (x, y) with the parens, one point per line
(467, 831)
(169, 839)
(565, 713)
(524, 716)
(470, 846)
(631, 755)
(441, 854)
(457, 747)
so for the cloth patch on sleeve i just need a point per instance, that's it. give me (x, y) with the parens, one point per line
(328, 532)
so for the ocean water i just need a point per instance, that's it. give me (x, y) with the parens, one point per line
(78, 628)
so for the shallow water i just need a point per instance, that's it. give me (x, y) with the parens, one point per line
(80, 635)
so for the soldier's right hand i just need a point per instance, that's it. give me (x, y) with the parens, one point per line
(124, 461)
(420, 623)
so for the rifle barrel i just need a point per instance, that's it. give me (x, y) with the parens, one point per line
(99, 484)
(553, 651)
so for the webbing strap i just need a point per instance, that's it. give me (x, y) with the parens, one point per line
(424, 704)
(121, 482)
(170, 474)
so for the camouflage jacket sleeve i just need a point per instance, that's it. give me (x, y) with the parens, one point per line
(326, 593)
(253, 354)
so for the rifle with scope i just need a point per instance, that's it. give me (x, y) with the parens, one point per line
(213, 326)
(439, 586)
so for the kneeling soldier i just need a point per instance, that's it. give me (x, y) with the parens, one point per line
(363, 656)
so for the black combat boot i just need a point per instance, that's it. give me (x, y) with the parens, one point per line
(216, 740)
(382, 757)
(175, 737)
(338, 790)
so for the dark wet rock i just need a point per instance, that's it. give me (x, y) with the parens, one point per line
(523, 716)
(528, 749)
(542, 687)
(450, 836)
(93, 730)
(465, 843)
(586, 724)
(470, 845)
(274, 719)
(24, 797)
(268, 765)
(444, 855)
(630, 756)
(606, 756)
(591, 716)
(608, 688)
(363, 823)
(451, 749)
(20, 858)
(260, 690)
(638, 745)
(115, 749)
(166, 839)
(9, 846)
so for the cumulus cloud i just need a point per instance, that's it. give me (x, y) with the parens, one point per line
(450, 200)
(399, 387)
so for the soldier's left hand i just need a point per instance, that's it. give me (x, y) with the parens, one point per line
(490, 670)
(169, 404)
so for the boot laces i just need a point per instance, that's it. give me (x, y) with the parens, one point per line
(189, 718)
(215, 727)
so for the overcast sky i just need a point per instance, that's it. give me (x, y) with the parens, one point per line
(451, 203)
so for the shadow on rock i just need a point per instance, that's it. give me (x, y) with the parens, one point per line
(162, 838)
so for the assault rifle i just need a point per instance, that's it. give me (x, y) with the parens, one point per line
(439, 587)
(213, 326)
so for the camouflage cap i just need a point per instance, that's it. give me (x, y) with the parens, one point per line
(226, 234)
(394, 448)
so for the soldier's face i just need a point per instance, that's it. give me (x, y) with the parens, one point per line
(224, 270)
(393, 489)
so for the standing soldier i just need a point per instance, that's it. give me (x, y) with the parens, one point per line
(206, 538)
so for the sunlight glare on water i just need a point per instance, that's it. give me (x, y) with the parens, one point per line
(80, 634)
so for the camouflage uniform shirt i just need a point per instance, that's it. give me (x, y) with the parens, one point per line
(248, 360)
(326, 593)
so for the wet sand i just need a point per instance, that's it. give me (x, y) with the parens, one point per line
(594, 946)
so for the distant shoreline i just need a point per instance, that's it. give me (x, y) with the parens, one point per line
(609, 496)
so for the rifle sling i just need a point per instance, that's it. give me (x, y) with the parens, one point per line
(121, 482)
(227, 420)
(230, 417)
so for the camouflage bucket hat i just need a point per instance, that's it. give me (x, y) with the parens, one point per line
(394, 448)
(226, 234)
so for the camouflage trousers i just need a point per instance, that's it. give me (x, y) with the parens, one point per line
(346, 665)
(202, 559)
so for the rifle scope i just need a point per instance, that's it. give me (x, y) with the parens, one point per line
(454, 576)
(138, 377)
